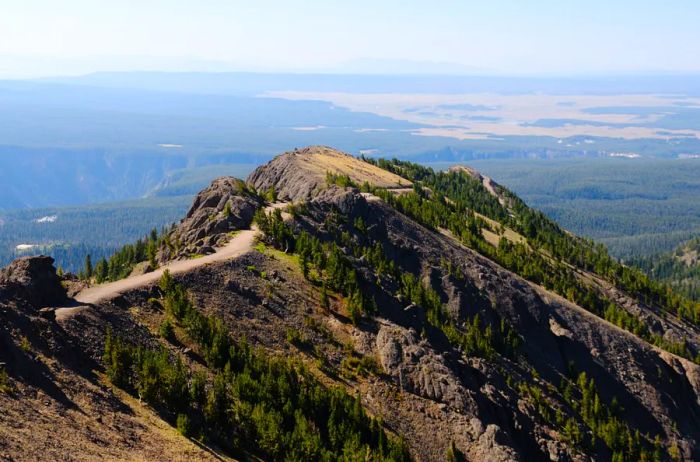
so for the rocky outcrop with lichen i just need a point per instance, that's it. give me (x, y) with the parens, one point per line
(223, 208)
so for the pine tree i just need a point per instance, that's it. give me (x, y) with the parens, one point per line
(166, 282)
(88, 267)
(325, 301)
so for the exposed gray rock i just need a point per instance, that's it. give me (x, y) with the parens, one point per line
(300, 175)
(33, 279)
(347, 201)
(416, 367)
(290, 182)
(487, 447)
(225, 206)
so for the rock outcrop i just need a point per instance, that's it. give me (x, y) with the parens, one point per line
(301, 174)
(416, 367)
(34, 280)
(227, 205)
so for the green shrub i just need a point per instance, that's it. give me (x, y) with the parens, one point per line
(25, 345)
(166, 330)
(183, 425)
(5, 386)
(453, 454)
(295, 337)
(227, 210)
(355, 366)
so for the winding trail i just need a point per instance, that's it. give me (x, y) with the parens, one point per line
(240, 244)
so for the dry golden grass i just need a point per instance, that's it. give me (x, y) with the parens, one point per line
(508, 233)
(319, 160)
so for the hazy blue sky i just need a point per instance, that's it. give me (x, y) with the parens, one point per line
(534, 36)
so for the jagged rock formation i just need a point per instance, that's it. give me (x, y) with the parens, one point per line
(224, 207)
(34, 280)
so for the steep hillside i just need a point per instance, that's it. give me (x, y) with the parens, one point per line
(679, 268)
(55, 403)
(388, 312)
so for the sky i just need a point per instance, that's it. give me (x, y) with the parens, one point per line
(567, 37)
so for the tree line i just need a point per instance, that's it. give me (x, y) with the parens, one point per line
(122, 262)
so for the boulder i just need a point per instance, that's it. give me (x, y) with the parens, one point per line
(34, 279)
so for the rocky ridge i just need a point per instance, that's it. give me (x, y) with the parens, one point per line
(426, 389)
(301, 174)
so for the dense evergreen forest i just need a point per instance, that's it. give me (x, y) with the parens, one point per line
(680, 268)
(70, 234)
(636, 207)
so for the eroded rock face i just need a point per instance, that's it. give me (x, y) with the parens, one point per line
(225, 206)
(416, 367)
(347, 201)
(33, 279)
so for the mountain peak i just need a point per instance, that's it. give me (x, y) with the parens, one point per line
(300, 174)
(491, 186)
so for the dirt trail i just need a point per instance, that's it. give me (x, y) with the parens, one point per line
(240, 244)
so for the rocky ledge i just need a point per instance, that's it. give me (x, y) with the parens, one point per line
(226, 206)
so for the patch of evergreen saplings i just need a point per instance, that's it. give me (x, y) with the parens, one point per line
(333, 269)
(123, 261)
(249, 400)
(604, 424)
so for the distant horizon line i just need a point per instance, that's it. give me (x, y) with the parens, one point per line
(498, 75)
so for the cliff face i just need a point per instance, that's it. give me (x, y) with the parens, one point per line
(479, 411)
(456, 354)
